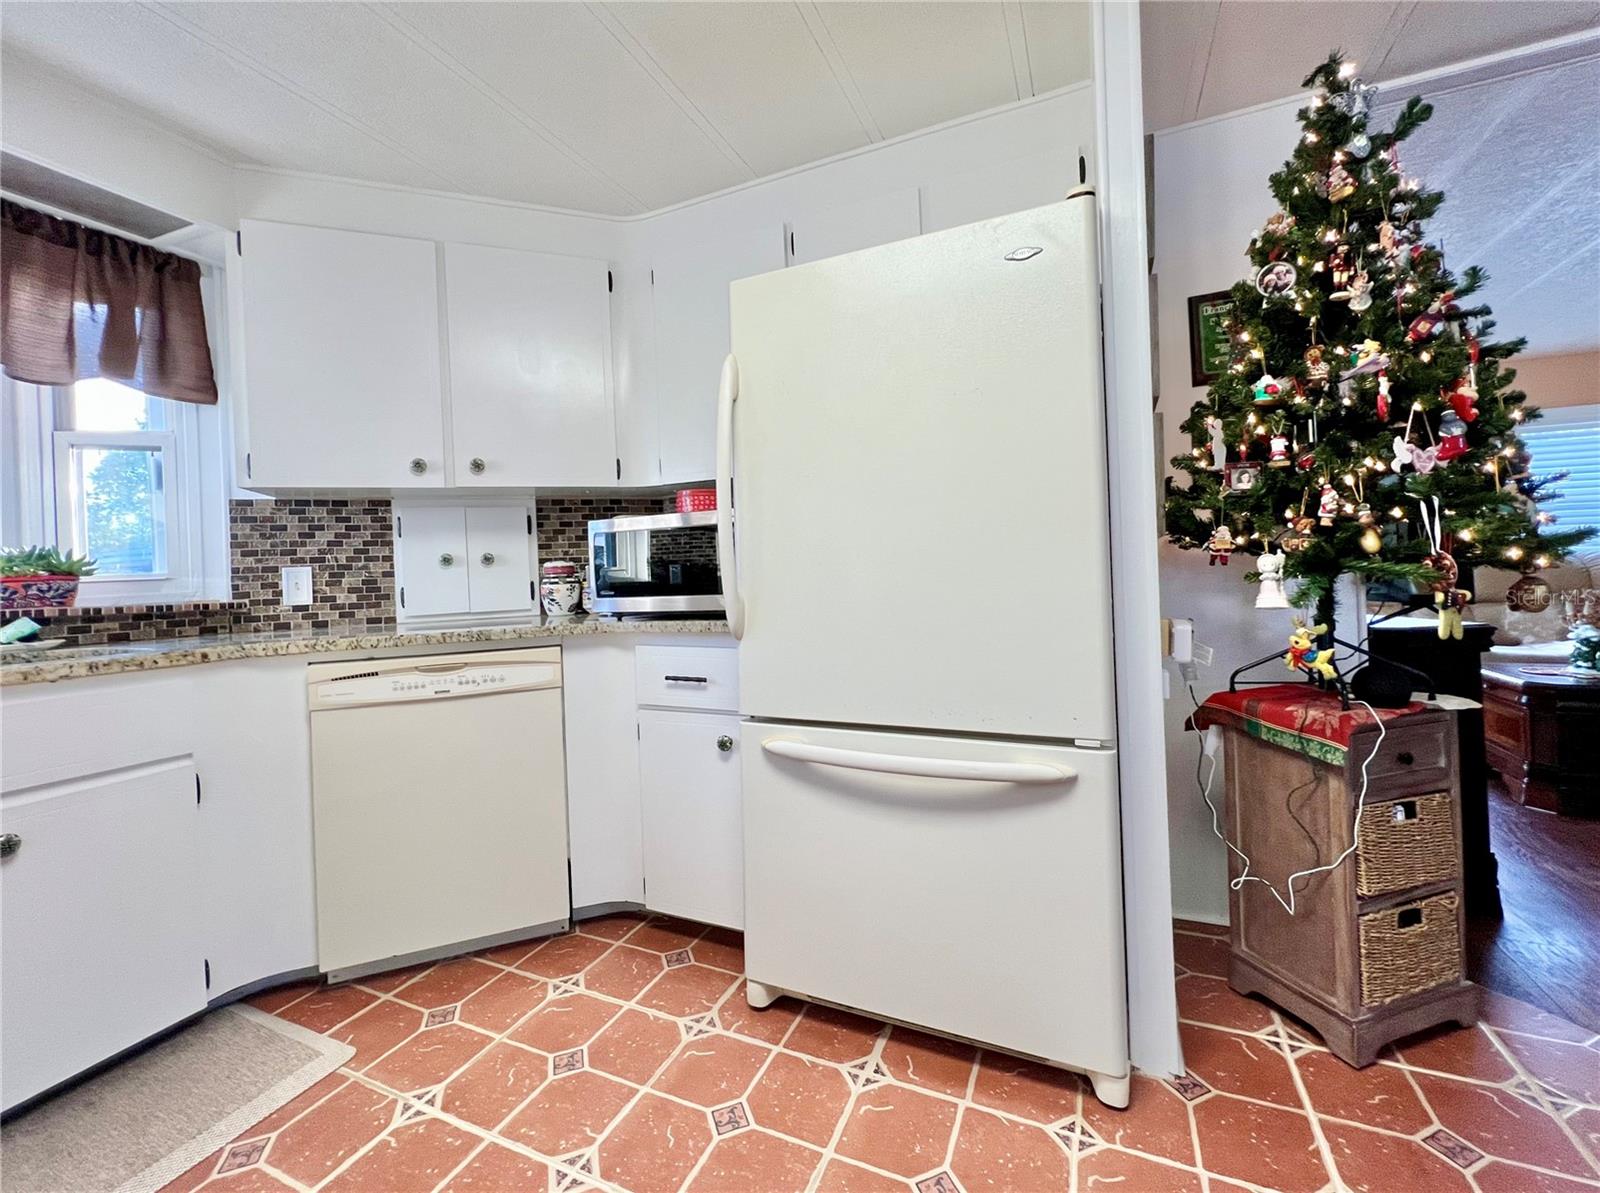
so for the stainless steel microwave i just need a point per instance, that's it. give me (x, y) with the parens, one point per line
(656, 563)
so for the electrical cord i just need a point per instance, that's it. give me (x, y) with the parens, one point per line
(1216, 826)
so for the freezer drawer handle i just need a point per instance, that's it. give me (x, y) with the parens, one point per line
(928, 768)
(684, 679)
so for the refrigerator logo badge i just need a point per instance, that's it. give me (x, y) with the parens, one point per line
(1024, 253)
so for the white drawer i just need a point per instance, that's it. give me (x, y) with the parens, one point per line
(687, 677)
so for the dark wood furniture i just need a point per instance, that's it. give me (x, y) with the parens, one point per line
(1455, 667)
(1375, 949)
(1543, 734)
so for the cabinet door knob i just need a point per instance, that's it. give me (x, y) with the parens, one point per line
(446, 559)
(488, 559)
(476, 465)
(725, 743)
(1404, 758)
(9, 844)
(418, 465)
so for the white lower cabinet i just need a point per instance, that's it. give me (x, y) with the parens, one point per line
(693, 831)
(97, 910)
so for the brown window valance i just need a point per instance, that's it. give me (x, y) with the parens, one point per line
(77, 302)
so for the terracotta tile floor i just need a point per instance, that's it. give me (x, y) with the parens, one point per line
(623, 1056)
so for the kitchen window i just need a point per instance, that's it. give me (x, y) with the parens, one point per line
(100, 469)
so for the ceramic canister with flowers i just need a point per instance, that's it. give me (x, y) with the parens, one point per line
(560, 588)
(1585, 658)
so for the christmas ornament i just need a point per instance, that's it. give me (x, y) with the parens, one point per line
(1327, 506)
(1275, 279)
(1371, 541)
(1298, 536)
(1316, 366)
(1306, 460)
(1355, 102)
(1447, 598)
(1267, 391)
(1360, 291)
(1220, 544)
(1219, 446)
(1339, 269)
(1271, 594)
(1383, 395)
(1278, 457)
(1279, 223)
(1303, 654)
(1358, 146)
(1463, 399)
(1426, 459)
(1402, 450)
(1531, 594)
(1452, 437)
(1431, 323)
(1364, 514)
(1240, 477)
(1367, 357)
(1473, 349)
(1341, 184)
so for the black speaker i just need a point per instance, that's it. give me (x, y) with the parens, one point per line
(1381, 685)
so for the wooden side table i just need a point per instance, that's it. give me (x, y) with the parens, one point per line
(1542, 732)
(1375, 950)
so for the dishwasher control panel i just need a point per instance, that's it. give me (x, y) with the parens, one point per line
(431, 679)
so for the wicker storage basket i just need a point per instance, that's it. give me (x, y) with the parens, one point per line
(1408, 949)
(1406, 843)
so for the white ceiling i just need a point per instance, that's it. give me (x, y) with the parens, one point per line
(613, 108)
(1207, 57)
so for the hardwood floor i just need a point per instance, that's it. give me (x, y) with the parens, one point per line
(1546, 950)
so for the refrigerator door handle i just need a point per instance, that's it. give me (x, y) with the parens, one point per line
(928, 768)
(727, 395)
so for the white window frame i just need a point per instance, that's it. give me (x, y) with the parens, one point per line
(45, 514)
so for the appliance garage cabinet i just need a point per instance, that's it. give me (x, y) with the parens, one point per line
(355, 353)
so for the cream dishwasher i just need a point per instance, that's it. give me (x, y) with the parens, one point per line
(440, 805)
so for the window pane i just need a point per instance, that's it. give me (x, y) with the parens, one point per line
(120, 505)
(102, 405)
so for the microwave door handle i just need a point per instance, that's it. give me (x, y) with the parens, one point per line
(977, 770)
(727, 395)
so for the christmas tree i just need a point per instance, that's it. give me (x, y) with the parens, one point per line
(1366, 422)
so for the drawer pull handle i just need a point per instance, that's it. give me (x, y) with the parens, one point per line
(1408, 917)
(684, 678)
(1404, 758)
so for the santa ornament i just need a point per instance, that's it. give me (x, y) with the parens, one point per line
(1463, 399)
(1220, 545)
(1278, 457)
(1341, 184)
(1383, 395)
(1327, 506)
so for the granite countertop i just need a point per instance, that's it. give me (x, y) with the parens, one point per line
(77, 662)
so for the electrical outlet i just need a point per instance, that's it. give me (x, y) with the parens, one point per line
(296, 586)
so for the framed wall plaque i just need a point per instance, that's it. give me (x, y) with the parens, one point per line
(1208, 336)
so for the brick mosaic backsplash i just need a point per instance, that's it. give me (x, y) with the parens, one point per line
(563, 521)
(101, 624)
(349, 543)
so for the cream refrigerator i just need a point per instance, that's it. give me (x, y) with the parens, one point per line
(914, 543)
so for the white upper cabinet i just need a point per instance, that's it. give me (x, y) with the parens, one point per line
(1016, 185)
(431, 560)
(862, 224)
(691, 323)
(341, 359)
(530, 368)
(498, 563)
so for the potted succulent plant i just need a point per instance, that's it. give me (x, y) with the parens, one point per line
(40, 577)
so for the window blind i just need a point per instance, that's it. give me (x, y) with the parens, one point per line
(1568, 440)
